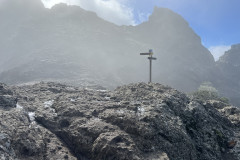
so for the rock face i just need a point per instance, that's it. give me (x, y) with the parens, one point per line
(21, 137)
(136, 122)
(7, 100)
(229, 69)
(233, 114)
(69, 44)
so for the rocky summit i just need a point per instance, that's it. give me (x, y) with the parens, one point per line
(134, 122)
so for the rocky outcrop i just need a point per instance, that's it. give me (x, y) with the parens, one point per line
(22, 138)
(233, 114)
(136, 121)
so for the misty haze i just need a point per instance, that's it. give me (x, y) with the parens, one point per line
(69, 44)
(73, 47)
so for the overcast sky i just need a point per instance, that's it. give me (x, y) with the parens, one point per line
(215, 21)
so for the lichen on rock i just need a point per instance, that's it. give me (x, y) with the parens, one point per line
(136, 121)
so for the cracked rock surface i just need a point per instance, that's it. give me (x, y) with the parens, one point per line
(133, 122)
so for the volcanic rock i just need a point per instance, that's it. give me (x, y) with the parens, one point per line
(7, 100)
(135, 121)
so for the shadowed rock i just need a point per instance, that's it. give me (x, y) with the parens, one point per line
(7, 100)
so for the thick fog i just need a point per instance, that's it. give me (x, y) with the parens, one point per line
(69, 44)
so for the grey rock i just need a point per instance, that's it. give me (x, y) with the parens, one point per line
(6, 151)
(26, 140)
(136, 121)
(7, 100)
(229, 68)
(4, 90)
(233, 114)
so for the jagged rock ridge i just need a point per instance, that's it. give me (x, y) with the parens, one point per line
(229, 69)
(137, 121)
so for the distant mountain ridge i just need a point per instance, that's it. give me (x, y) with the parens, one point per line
(69, 44)
(229, 68)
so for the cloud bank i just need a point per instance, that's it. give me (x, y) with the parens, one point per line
(111, 10)
(218, 51)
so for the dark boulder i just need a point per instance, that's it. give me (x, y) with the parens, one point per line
(7, 100)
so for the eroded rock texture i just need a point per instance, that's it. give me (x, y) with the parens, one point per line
(133, 122)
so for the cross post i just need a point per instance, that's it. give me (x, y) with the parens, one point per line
(150, 57)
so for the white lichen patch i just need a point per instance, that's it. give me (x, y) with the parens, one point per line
(31, 116)
(140, 111)
(107, 98)
(70, 88)
(33, 123)
(120, 111)
(102, 90)
(48, 104)
(19, 107)
(72, 100)
(89, 89)
(96, 119)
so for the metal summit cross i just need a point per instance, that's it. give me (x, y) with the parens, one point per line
(150, 53)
